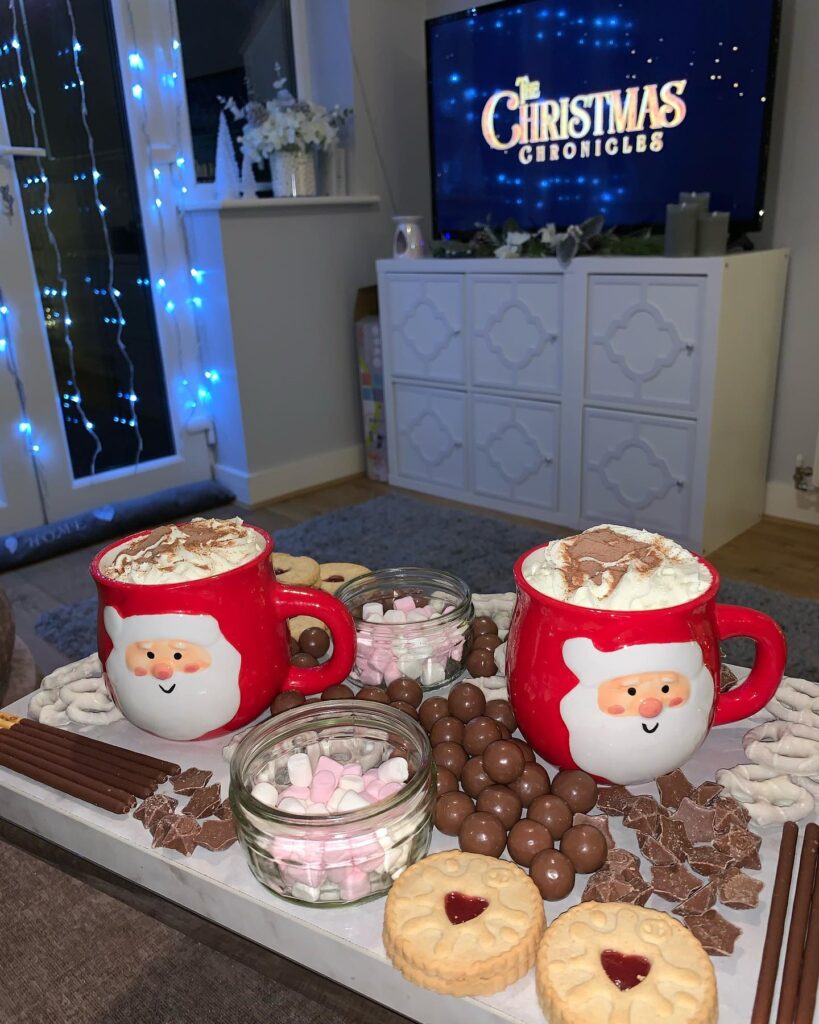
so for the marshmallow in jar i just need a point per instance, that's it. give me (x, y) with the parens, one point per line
(333, 800)
(410, 623)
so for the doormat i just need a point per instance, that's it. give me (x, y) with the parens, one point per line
(395, 530)
(115, 520)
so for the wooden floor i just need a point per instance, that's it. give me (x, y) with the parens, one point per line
(775, 553)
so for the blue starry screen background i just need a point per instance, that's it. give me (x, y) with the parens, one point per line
(721, 47)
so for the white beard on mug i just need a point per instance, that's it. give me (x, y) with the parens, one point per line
(620, 749)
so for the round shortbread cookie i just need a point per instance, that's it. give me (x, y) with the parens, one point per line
(299, 623)
(613, 963)
(296, 570)
(463, 924)
(333, 574)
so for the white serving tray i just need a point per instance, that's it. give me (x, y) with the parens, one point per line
(344, 945)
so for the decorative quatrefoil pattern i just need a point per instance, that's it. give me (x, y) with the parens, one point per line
(514, 453)
(431, 437)
(635, 474)
(642, 342)
(425, 330)
(515, 335)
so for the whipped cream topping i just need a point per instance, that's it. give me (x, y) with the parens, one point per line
(184, 552)
(617, 568)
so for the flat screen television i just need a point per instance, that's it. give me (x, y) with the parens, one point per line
(554, 110)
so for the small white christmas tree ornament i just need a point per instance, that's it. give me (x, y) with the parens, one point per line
(226, 176)
(248, 178)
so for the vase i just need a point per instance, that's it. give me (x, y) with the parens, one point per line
(293, 174)
(408, 240)
(334, 167)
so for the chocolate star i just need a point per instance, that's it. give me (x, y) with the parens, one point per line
(706, 860)
(701, 902)
(643, 815)
(729, 813)
(738, 890)
(741, 846)
(156, 806)
(706, 792)
(698, 821)
(598, 821)
(614, 800)
(673, 882)
(179, 833)
(673, 836)
(217, 835)
(652, 849)
(204, 801)
(190, 780)
(673, 787)
(715, 933)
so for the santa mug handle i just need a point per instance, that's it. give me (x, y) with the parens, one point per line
(290, 601)
(769, 664)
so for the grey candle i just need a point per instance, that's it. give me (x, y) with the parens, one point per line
(681, 229)
(699, 199)
(712, 234)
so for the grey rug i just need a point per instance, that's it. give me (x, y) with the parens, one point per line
(396, 530)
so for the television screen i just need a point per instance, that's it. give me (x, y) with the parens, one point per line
(551, 111)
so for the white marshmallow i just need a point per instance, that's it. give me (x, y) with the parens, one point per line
(335, 800)
(500, 658)
(394, 615)
(290, 805)
(432, 674)
(370, 609)
(351, 802)
(308, 893)
(416, 616)
(265, 793)
(437, 604)
(352, 783)
(317, 808)
(300, 769)
(394, 770)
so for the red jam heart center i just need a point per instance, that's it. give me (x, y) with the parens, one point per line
(624, 970)
(460, 908)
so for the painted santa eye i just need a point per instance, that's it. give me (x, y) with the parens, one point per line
(178, 657)
(632, 691)
(151, 654)
(666, 688)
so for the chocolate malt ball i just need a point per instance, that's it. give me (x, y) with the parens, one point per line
(552, 812)
(445, 781)
(402, 705)
(586, 848)
(473, 778)
(451, 810)
(532, 782)
(407, 690)
(466, 701)
(525, 749)
(478, 734)
(503, 761)
(482, 625)
(553, 874)
(482, 833)
(501, 711)
(502, 802)
(527, 838)
(314, 641)
(577, 788)
(486, 642)
(431, 710)
(480, 664)
(451, 756)
(304, 660)
(373, 693)
(286, 700)
(293, 645)
(447, 730)
(338, 692)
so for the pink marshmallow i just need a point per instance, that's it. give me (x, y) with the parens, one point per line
(307, 874)
(380, 658)
(369, 676)
(389, 789)
(323, 785)
(328, 764)
(354, 884)
(429, 611)
(404, 604)
(296, 792)
(354, 768)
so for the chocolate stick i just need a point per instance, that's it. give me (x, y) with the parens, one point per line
(62, 759)
(772, 949)
(115, 801)
(86, 756)
(799, 921)
(806, 1000)
(168, 767)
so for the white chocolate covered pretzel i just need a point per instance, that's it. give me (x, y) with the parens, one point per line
(784, 746)
(797, 701)
(769, 798)
(74, 693)
(90, 667)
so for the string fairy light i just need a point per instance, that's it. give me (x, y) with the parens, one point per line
(53, 243)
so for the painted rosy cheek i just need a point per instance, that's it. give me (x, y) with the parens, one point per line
(675, 702)
(140, 671)
(192, 667)
(615, 709)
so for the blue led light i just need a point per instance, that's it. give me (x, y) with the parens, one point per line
(24, 427)
(3, 344)
(101, 207)
(136, 91)
(170, 306)
(157, 173)
(197, 275)
(197, 301)
(157, 202)
(180, 161)
(135, 60)
(176, 44)
(213, 376)
(161, 283)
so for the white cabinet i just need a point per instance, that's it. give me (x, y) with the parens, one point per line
(629, 390)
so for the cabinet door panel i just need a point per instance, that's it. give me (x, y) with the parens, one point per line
(430, 426)
(515, 448)
(426, 318)
(516, 323)
(637, 471)
(644, 338)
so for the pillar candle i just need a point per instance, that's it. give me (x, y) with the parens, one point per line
(712, 234)
(681, 229)
(699, 199)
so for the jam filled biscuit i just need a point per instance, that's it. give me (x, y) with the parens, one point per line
(295, 570)
(463, 924)
(617, 964)
(333, 574)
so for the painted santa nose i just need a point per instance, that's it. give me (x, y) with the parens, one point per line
(650, 707)
(164, 671)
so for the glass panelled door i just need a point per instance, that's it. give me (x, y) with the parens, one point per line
(97, 365)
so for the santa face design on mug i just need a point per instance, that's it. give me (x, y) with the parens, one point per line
(638, 712)
(175, 674)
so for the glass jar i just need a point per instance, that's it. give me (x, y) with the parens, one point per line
(333, 860)
(431, 651)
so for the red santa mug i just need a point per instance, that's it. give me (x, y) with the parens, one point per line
(630, 695)
(200, 658)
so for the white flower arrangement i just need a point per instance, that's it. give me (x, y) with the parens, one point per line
(285, 124)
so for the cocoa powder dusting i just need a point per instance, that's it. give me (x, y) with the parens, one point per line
(597, 555)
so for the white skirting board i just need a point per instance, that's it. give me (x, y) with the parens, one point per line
(785, 502)
(277, 481)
